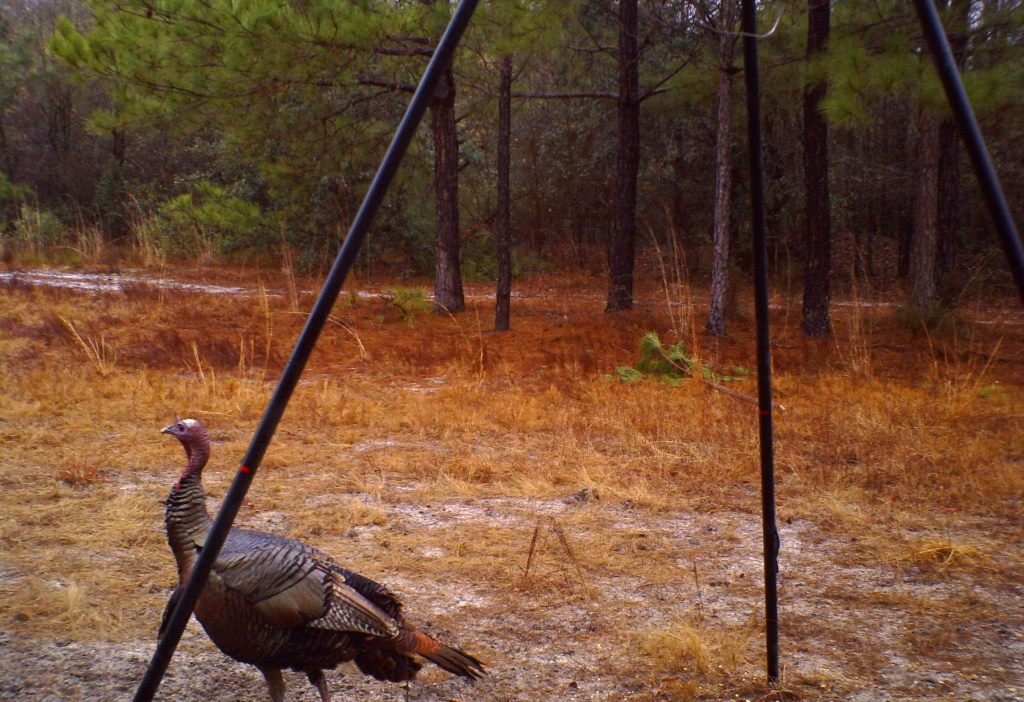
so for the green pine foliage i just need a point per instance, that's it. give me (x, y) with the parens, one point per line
(202, 223)
(411, 302)
(876, 53)
(286, 107)
(276, 86)
(671, 365)
(294, 91)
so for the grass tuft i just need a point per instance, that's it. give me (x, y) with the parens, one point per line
(99, 354)
(692, 646)
(941, 555)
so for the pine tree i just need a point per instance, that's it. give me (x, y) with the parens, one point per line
(622, 251)
(817, 204)
(728, 13)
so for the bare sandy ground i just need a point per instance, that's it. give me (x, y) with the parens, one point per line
(850, 631)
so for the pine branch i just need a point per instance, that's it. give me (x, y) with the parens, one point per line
(403, 51)
(389, 84)
(566, 96)
(687, 371)
(401, 39)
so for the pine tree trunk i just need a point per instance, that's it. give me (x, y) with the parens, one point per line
(723, 174)
(623, 245)
(448, 294)
(949, 206)
(504, 223)
(957, 25)
(817, 219)
(923, 246)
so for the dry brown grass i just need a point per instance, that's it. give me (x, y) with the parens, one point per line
(392, 416)
(689, 645)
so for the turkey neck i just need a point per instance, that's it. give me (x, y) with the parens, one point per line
(186, 517)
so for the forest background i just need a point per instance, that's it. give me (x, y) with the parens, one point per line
(575, 135)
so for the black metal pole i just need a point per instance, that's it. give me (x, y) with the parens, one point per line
(945, 64)
(764, 360)
(303, 347)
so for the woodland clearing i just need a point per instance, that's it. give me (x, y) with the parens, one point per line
(589, 539)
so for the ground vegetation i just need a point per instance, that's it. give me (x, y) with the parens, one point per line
(597, 535)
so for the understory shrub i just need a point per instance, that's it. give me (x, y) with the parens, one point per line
(36, 231)
(204, 223)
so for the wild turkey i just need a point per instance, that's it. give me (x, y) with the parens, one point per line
(277, 603)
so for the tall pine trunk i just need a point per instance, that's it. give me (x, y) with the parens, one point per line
(723, 173)
(958, 28)
(923, 245)
(448, 294)
(623, 245)
(504, 219)
(949, 206)
(817, 217)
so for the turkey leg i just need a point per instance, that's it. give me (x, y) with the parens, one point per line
(275, 683)
(320, 683)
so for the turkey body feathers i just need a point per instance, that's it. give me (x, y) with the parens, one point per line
(290, 584)
(276, 603)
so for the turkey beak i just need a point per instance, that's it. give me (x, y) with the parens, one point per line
(167, 430)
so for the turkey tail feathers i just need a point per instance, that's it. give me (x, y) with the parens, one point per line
(451, 659)
(398, 663)
(455, 662)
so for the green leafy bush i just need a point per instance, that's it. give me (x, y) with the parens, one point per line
(479, 259)
(937, 319)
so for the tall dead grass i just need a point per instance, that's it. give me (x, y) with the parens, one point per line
(83, 469)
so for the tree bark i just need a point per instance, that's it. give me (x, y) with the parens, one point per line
(623, 245)
(817, 218)
(504, 219)
(926, 210)
(948, 201)
(448, 295)
(949, 154)
(723, 173)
